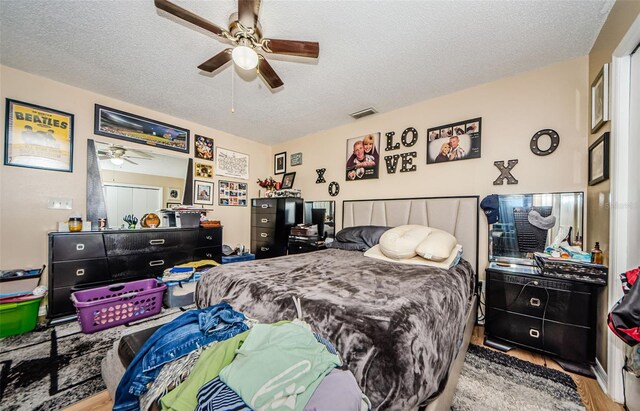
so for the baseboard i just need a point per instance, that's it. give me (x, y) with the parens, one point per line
(601, 376)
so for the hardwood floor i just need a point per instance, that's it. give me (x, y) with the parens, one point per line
(592, 395)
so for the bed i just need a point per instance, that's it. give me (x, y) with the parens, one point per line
(402, 330)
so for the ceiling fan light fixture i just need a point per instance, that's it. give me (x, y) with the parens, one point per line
(117, 161)
(245, 57)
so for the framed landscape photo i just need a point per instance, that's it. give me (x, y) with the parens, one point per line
(38, 137)
(287, 181)
(118, 124)
(455, 141)
(203, 147)
(599, 160)
(202, 192)
(232, 193)
(600, 99)
(232, 164)
(280, 163)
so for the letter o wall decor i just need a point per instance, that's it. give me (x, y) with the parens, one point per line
(555, 141)
(334, 188)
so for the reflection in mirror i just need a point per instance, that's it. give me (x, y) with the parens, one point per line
(530, 222)
(321, 213)
(136, 181)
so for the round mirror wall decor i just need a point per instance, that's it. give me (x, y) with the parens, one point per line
(334, 188)
(553, 137)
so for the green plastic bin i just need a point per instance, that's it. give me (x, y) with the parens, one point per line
(18, 315)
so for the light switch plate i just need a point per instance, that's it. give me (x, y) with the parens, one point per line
(60, 203)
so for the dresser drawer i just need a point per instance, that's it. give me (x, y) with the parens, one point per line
(146, 265)
(569, 342)
(79, 272)
(263, 234)
(562, 306)
(149, 242)
(264, 203)
(267, 249)
(60, 303)
(263, 220)
(519, 329)
(209, 237)
(209, 253)
(77, 247)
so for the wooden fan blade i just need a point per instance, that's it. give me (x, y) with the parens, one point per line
(248, 12)
(103, 157)
(186, 15)
(268, 74)
(294, 47)
(216, 61)
(140, 153)
(129, 161)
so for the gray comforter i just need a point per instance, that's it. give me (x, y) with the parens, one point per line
(398, 327)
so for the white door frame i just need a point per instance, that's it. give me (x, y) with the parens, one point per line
(621, 161)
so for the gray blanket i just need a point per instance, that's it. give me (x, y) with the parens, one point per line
(398, 327)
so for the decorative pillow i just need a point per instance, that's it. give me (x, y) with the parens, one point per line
(367, 234)
(437, 246)
(401, 242)
(348, 246)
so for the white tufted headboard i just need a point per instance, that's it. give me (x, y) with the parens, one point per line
(456, 215)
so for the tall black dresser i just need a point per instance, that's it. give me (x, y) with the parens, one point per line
(554, 316)
(91, 259)
(271, 221)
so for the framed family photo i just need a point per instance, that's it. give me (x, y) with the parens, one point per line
(455, 141)
(287, 181)
(599, 160)
(203, 192)
(363, 158)
(203, 147)
(232, 193)
(232, 164)
(38, 137)
(600, 99)
(118, 124)
(280, 163)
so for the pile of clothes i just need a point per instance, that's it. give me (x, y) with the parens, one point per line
(215, 358)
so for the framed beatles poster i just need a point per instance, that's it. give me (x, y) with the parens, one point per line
(455, 141)
(38, 137)
(204, 147)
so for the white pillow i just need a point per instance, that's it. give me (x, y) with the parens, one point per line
(401, 242)
(374, 252)
(437, 246)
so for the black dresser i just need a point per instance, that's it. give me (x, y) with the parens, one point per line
(271, 221)
(91, 259)
(305, 244)
(552, 316)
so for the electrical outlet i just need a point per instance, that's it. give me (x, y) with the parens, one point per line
(60, 203)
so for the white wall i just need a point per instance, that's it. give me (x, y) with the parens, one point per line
(512, 110)
(24, 217)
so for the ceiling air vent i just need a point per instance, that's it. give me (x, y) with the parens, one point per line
(363, 113)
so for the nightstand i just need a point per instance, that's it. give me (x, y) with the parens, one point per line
(552, 316)
(302, 244)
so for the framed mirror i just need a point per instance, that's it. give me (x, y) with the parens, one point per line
(126, 180)
(321, 213)
(529, 223)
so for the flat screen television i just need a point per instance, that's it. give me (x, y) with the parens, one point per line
(514, 238)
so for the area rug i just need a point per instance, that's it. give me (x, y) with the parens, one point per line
(492, 380)
(51, 368)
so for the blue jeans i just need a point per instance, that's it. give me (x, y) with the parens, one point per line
(193, 329)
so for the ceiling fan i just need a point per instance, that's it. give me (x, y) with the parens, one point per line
(245, 34)
(118, 155)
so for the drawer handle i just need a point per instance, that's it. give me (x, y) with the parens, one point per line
(264, 220)
(156, 262)
(79, 247)
(265, 206)
(80, 272)
(209, 255)
(535, 302)
(264, 235)
(159, 241)
(209, 237)
(534, 333)
(264, 248)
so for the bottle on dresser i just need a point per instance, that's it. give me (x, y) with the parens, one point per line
(596, 254)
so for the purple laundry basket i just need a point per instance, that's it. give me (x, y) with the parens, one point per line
(117, 304)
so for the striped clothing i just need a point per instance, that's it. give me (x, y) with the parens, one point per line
(217, 396)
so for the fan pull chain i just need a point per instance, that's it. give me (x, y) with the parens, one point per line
(233, 69)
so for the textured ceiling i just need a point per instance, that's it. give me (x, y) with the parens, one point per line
(385, 54)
